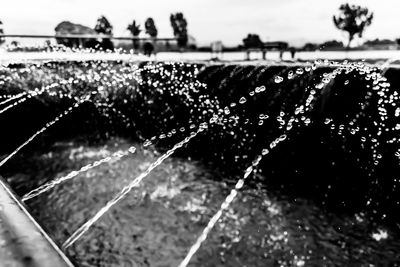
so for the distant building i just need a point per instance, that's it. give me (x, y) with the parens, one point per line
(216, 46)
(69, 28)
(216, 49)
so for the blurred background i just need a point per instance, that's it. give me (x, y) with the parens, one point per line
(227, 30)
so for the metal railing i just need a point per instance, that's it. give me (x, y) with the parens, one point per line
(24, 243)
(86, 36)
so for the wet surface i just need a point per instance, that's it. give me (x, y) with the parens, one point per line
(22, 242)
(157, 222)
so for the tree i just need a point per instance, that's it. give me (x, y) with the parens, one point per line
(150, 27)
(179, 25)
(103, 26)
(252, 41)
(310, 47)
(2, 39)
(353, 19)
(134, 28)
(135, 31)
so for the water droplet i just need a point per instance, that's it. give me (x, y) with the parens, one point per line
(257, 160)
(147, 143)
(278, 79)
(299, 71)
(239, 184)
(381, 234)
(282, 137)
(227, 111)
(326, 80)
(272, 145)
(242, 100)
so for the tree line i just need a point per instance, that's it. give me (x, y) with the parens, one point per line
(103, 26)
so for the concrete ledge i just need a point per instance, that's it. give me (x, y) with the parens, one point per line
(22, 241)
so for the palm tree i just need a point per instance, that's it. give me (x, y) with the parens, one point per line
(179, 25)
(104, 26)
(2, 39)
(353, 19)
(151, 30)
(135, 31)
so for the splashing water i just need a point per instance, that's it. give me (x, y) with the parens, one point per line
(22, 97)
(85, 227)
(43, 129)
(19, 101)
(328, 77)
(7, 96)
(13, 98)
(278, 79)
(227, 202)
(115, 156)
(47, 186)
(240, 183)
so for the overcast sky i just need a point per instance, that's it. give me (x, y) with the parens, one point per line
(295, 21)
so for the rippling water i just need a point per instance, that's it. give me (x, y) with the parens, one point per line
(158, 221)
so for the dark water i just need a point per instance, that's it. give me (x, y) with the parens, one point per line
(156, 223)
